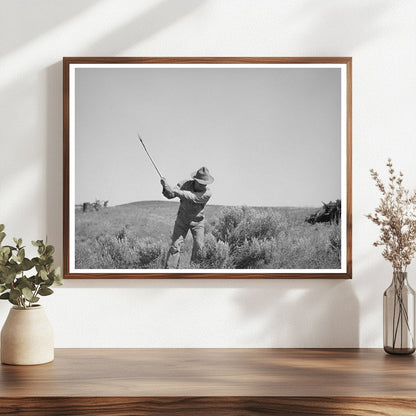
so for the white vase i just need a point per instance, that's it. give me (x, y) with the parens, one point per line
(27, 337)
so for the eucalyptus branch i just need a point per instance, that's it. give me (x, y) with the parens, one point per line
(16, 284)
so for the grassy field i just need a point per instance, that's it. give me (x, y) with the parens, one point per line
(137, 236)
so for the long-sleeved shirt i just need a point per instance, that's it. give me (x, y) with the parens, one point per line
(193, 202)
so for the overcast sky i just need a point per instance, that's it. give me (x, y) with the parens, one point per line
(270, 137)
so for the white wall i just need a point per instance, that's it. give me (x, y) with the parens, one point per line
(380, 35)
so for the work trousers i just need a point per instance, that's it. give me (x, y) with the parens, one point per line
(179, 234)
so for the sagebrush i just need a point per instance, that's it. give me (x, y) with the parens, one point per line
(137, 236)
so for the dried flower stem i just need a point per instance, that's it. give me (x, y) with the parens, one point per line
(396, 217)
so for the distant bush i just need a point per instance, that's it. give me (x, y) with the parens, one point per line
(214, 255)
(257, 225)
(111, 252)
(235, 225)
(149, 252)
(251, 235)
(228, 220)
(307, 250)
(254, 254)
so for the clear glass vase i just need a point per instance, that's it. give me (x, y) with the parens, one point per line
(399, 316)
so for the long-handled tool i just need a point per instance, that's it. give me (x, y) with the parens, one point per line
(150, 157)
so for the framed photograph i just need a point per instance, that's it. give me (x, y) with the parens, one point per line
(207, 168)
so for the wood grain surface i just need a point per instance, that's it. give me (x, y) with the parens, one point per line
(212, 381)
(208, 406)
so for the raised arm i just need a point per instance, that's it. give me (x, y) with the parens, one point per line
(167, 191)
(195, 197)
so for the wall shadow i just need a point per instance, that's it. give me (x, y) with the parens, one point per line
(35, 17)
(311, 18)
(54, 168)
(158, 17)
(301, 313)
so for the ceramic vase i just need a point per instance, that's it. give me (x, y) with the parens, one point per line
(27, 337)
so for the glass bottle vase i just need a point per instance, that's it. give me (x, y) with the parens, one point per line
(399, 316)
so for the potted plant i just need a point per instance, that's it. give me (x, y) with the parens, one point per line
(27, 336)
(396, 217)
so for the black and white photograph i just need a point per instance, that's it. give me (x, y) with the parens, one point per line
(214, 169)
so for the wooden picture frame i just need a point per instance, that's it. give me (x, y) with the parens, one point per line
(296, 114)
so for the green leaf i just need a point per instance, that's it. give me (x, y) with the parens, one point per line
(37, 243)
(7, 296)
(27, 293)
(48, 282)
(4, 255)
(2, 236)
(18, 242)
(38, 280)
(5, 250)
(21, 255)
(2, 288)
(43, 275)
(24, 282)
(26, 264)
(58, 280)
(41, 249)
(15, 294)
(49, 250)
(48, 260)
(45, 291)
(2, 227)
(35, 261)
(9, 277)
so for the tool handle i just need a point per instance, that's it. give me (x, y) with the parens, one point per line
(150, 157)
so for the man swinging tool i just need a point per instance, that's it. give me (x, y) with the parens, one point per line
(194, 195)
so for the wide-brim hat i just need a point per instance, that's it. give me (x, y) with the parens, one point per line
(202, 176)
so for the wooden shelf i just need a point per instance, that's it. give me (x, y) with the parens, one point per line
(212, 382)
